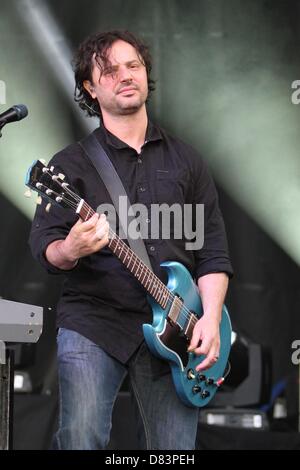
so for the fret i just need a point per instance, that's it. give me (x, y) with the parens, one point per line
(87, 214)
(131, 253)
(153, 284)
(142, 274)
(140, 269)
(112, 244)
(149, 280)
(83, 211)
(145, 274)
(158, 294)
(166, 300)
(155, 291)
(80, 206)
(151, 289)
(137, 267)
(127, 258)
(122, 256)
(111, 240)
(161, 295)
(126, 253)
(164, 297)
(120, 248)
(134, 261)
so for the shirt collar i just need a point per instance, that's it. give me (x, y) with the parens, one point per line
(153, 134)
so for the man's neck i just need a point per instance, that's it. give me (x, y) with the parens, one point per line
(131, 128)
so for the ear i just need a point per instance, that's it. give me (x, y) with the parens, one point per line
(89, 88)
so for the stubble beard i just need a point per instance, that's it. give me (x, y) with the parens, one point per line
(124, 108)
(120, 106)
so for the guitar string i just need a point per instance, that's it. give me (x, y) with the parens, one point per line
(188, 315)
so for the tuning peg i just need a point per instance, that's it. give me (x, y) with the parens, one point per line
(52, 168)
(48, 207)
(61, 175)
(43, 161)
(39, 200)
(28, 193)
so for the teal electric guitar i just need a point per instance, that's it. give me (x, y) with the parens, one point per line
(176, 307)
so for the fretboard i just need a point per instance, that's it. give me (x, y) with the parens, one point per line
(153, 285)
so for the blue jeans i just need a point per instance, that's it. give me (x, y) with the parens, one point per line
(89, 381)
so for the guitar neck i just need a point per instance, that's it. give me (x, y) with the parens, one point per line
(153, 285)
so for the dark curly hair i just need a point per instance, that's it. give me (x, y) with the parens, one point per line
(100, 43)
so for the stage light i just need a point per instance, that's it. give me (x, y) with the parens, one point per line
(235, 418)
(22, 382)
(29, 79)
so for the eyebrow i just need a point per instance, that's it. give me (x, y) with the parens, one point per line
(129, 62)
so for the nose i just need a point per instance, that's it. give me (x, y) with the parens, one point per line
(124, 74)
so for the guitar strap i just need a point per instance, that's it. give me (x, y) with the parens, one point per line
(99, 158)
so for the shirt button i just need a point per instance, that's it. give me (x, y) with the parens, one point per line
(148, 221)
(152, 248)
(142, 189)
(139, 160)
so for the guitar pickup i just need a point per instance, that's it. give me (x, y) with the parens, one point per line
(175, 310)
(188, 331)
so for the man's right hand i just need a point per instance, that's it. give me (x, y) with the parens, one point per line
(83, 239)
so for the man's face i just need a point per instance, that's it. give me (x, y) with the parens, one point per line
(122, 87)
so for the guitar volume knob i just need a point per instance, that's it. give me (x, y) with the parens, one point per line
(196, 389)
(190, 374)
(209, 381)
(201, 377)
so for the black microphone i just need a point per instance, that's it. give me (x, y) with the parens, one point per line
(15, 113)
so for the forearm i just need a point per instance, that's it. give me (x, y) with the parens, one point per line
(59, 256)
(84, 239)
(212, 289)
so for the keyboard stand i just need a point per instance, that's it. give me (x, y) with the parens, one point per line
(6, 396)
(19, 323)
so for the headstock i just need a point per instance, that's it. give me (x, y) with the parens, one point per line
(51, 186)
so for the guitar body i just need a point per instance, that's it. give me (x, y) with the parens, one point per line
(166, 340)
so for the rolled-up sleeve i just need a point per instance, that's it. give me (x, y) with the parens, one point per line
(46, 228)
(213, 257)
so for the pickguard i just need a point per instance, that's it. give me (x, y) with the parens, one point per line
(174, 339)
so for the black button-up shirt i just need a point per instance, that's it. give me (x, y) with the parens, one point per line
(101, 299)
